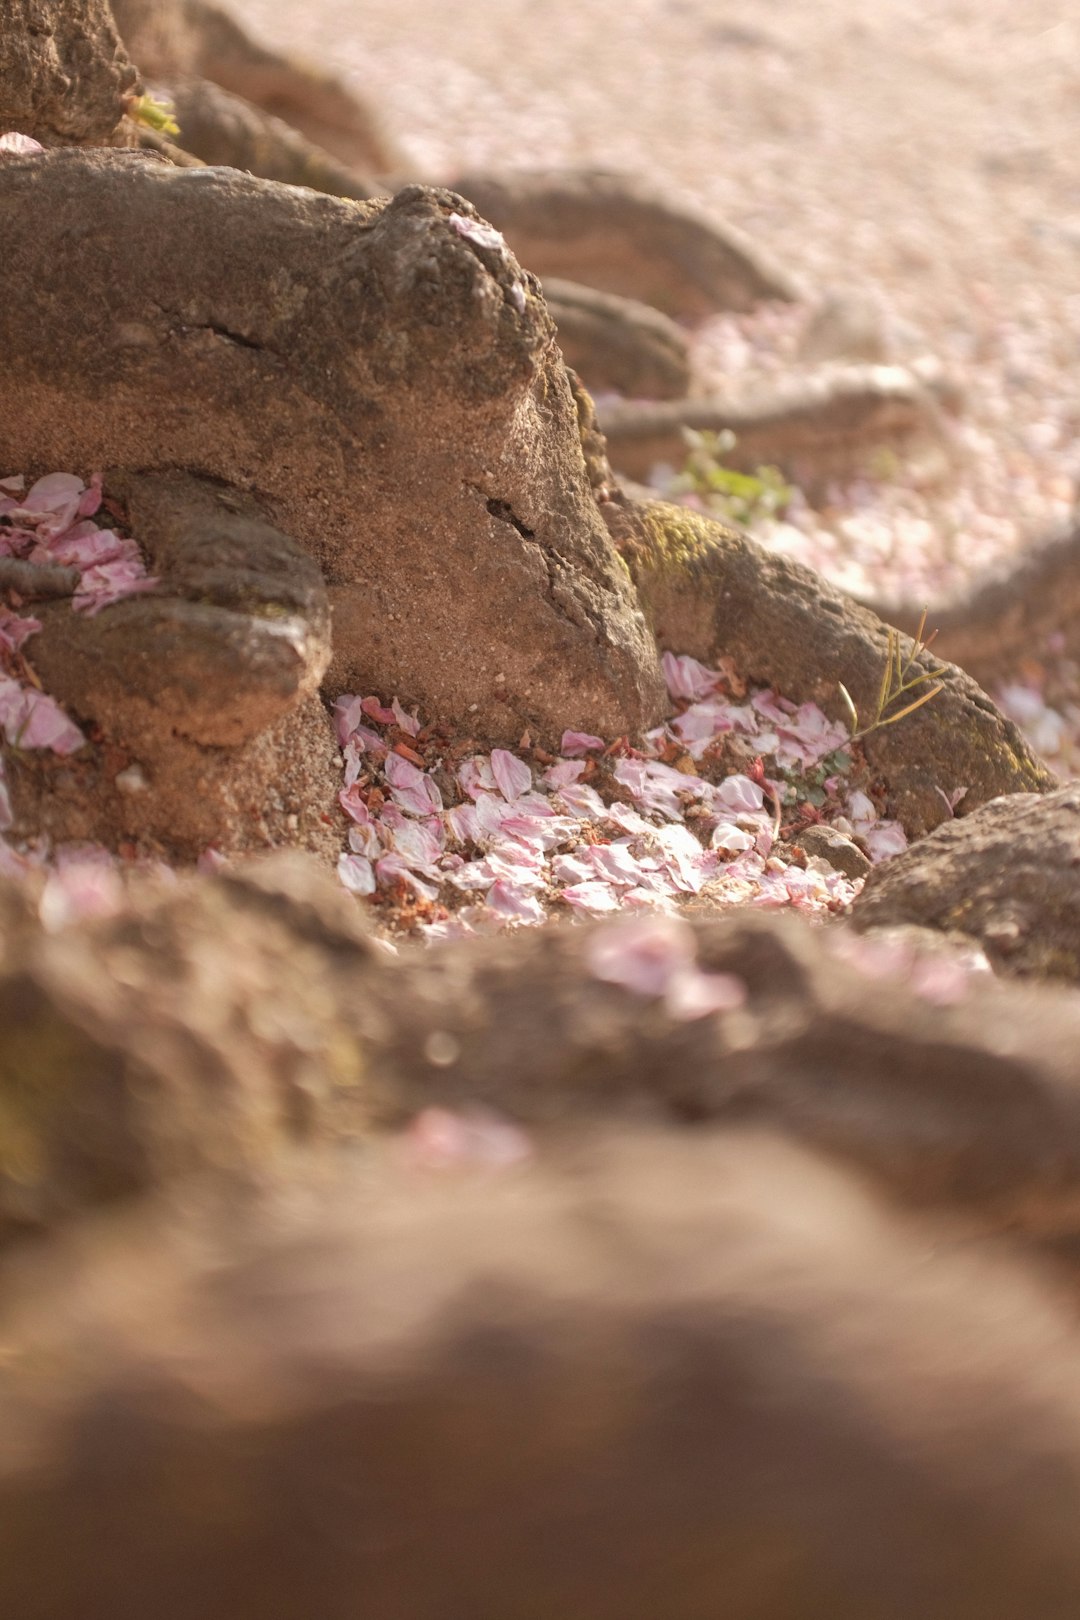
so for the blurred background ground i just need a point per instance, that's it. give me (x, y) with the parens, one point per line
(922, 154)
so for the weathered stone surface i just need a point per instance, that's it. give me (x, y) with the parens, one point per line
(223, 128)
(1008, 875)
(171, 39)
(653, 1367)
(205, 689)
(386, 385)
(835, 423)
(625, 237)
(842, 854)
(619, 343)
(226, 1023)
(710, 590)
(759, 1359)
(63, 72)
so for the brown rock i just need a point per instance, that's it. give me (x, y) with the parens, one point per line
(1010, 614)
(1006, 875)
(619, 343)
(205, 689)
(63, 72)
(710, 590)
(816, 428)
(386, 385)
(623, 236)
(842, 854)
(654, 1367)
(172, 39)
(225, 1024)
(223, 128)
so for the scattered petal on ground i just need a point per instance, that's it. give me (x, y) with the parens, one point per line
(520, 845)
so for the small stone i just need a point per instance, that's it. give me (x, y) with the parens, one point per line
(841, 853)
(133, 780)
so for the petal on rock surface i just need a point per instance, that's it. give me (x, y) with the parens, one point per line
(692, 994)
(576, 743)
(474, 230)
(15, 145)
(642, 954)
(686, 678)
(512, 776)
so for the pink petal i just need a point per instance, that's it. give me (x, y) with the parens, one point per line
(563, 771)
(576, 743)
(725, 836)
(32, 719)
(80, 888)
(475, 230)
(91, 500)
(506, 900)
(739, 793)
(15, 630)
(15, 145)
(686, 678)
(347, 711)
(691, 994)
(356, 874)
(582, 800)
(440, 1140)
(393, 868)
(407, 722)
(375, 711)
(887, 838)
(512, 776)
(642, 954)
(595, 897)
(475, 776)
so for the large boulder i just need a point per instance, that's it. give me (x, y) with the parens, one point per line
(226, 1024)
(64, 72)
(382, 376)
(654, 1372)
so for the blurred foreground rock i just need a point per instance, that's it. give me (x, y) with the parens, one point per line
(226, 1022)
(650, 1363)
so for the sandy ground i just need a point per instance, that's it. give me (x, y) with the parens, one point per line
(927, 151)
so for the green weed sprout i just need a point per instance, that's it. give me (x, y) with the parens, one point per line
(154, 114)
(743, 498)
(897, 682)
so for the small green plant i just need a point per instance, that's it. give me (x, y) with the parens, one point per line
(897, 682)
(807, 786)
(743, 498)
(154, 114)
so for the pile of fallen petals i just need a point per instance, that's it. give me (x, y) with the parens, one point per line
(52, 525)
(447, 841)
